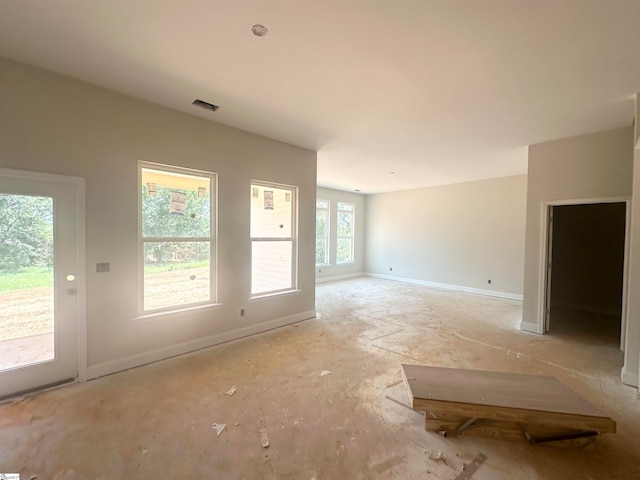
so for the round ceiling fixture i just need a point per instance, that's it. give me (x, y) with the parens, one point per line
(259, 30)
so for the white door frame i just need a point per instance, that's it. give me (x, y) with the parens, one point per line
(79, 184)
(544, 257)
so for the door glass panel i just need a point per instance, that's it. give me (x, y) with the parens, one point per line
(26, 280)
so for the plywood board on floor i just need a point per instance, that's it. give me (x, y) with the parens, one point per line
(506, 405)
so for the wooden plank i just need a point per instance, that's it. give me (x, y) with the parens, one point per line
(499, 429)
(523, 399)
(530, 417)
(511, 390)
(503, 430)
(509, 431)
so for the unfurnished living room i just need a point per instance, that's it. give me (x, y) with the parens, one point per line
(334, 239)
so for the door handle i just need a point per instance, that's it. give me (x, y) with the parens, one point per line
(70, 291)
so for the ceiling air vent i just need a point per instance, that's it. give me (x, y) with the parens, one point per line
(206, 105)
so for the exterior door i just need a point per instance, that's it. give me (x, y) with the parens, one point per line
(40, 284)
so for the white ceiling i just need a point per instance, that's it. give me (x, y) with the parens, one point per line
(436, 91)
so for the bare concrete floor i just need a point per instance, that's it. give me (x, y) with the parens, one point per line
(155, 422)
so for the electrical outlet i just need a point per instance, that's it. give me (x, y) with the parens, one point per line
(103, 267)
(489, 281)
(391, 269)
(319, 270)
(242, 312)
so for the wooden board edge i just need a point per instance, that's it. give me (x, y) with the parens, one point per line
(600, 424)
(406, 383)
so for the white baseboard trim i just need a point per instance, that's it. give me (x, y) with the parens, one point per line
(529, 327)
(333, 278)
(628, 377)
(113, 366)
(445, 286)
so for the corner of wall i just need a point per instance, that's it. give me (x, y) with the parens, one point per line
(628, 377)
(530, 327)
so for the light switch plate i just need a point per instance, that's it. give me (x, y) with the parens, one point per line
(103, 267)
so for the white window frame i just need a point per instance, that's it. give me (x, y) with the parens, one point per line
(326, 210)
(352, 212)
(293, 239)
(212, 239)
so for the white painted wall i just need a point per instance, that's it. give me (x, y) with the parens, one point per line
(631, 369)
(580, 169)
(51, 123)
(333, 271)
(455, 236)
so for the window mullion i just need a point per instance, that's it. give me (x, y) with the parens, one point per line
(272, 239)
(176, 239)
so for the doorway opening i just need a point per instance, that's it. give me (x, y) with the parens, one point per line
(585, 271)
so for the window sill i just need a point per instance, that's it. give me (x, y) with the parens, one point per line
(267, 296)
(151, 316)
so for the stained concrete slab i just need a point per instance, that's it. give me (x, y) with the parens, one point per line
(156, 421)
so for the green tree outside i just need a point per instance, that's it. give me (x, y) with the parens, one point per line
(321, 237)
(26, 232)
(159, 222)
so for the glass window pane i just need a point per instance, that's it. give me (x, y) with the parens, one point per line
(345, 206)
(345, 252)
(321, 251)
(322, 203)
(175, 205)
(321, 223)
(345, 220)
(271, 266)
(176, 273)
(271, 212)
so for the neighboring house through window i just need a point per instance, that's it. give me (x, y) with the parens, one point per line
(273, 238)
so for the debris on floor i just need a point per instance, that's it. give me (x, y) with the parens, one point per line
(231, 391)
(324, 373)
(219, 427)
(470, 469)
(437, 456)
(264, 438)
